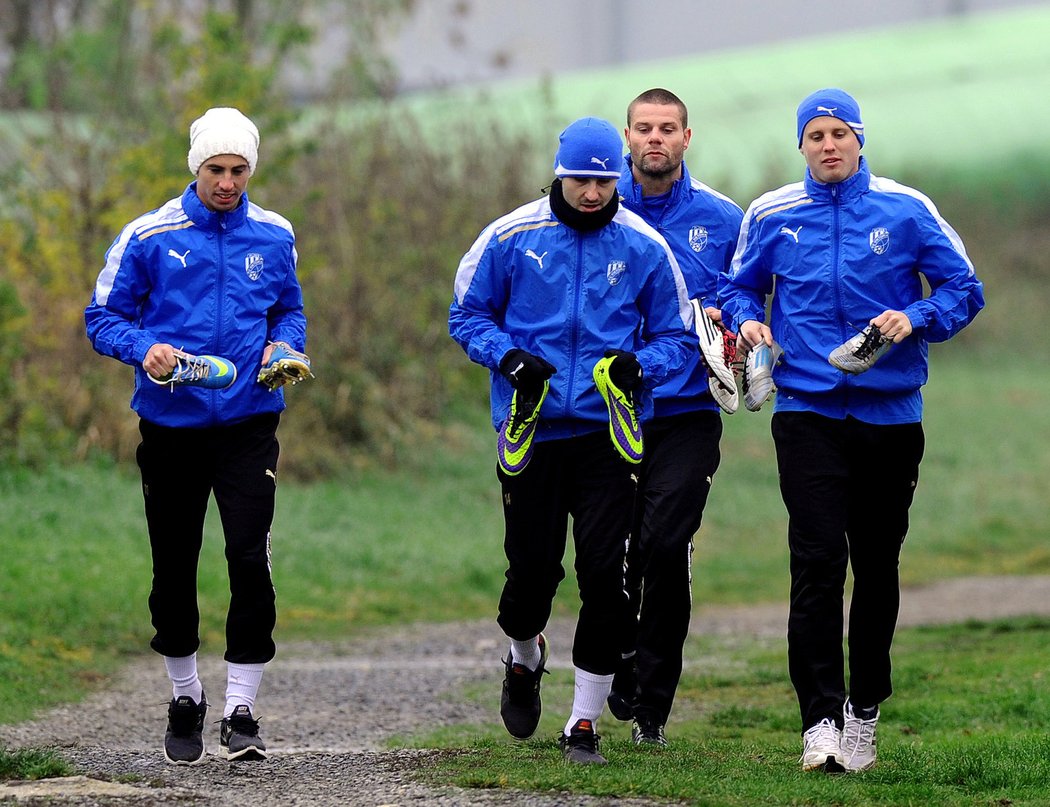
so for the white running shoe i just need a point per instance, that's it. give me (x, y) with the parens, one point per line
(718, 358)
(858, 740)
(861, 352)
(758, 375)
(822, 748)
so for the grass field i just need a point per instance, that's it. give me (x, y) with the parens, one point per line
(425, 542)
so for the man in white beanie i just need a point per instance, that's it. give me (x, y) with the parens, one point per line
(578, 309)
(189, 293)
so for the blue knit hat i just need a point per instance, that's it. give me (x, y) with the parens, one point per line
(589, 147)
(834, 103)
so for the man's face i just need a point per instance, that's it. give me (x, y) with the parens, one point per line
(221, 180)
(657, 139)
(831, 149)
(588, 194)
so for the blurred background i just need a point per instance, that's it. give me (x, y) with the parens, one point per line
(393, 131)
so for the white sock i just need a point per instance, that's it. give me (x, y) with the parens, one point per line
(526, 653)
(242, 686)
(182, 670)
(588, 698)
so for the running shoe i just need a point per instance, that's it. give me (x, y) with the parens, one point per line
(861, 352)
(184, 738)
(211, 372)
(821, 750)
(758, 375)
(520, 705)
(718, 352)
(580, 745)
(624, 689)
(624, 426)
(514, 444)
(858, 739)
(239, 735)
(647, 731)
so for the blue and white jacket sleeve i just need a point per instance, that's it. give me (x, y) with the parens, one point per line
(286, 321)
(480, 297)
(743, 289)
(956, 295)
(112, 317)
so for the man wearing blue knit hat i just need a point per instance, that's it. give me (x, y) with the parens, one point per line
(578, 309)
(846, 256)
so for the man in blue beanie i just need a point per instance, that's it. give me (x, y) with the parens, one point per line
(845, 255)
(578, 309)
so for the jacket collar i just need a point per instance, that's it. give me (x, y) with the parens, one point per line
(631, 191)
(843, 191)
(207, 219)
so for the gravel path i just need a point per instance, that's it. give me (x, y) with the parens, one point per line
(334, 757)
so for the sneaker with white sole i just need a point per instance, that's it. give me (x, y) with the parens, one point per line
(184, 738)
(211, 372)
(718, 352)
(861, 352)
(822, 748)
(239, 735)
(520, 705)
(858, 739)
(758, 375)
(580, 745)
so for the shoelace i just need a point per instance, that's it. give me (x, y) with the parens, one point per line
(190, 370)
(873, 340)
(729, 350)
(823, 732)
(858, 731)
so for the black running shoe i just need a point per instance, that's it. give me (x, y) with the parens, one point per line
(647, 731)
(519, 704)
(239, 735)
(624, 690)
(581, 745)
(184, 739)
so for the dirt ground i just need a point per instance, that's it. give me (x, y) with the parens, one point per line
(327, 710)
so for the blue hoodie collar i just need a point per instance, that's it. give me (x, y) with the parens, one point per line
(631, 191)
(848, 189)
(208, 219)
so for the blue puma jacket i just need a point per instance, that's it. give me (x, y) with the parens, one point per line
(531, 282)
(205, 282)
(701, 227)
(838, 255)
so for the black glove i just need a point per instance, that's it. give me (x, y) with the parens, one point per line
(625, 371)
(525, 371)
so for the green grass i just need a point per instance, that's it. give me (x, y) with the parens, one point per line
(967, 726)
(32, 763)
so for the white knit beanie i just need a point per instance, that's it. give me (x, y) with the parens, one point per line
(223, 130)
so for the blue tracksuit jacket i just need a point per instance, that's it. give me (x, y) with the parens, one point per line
(205, 282)
(701, 227)
(533, 283)
(840, 254)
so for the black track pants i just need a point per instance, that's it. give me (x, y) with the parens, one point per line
(583, 477)
(681, 457)
(180, 469)
(848, 487)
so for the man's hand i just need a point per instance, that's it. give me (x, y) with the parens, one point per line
(625, 371)
(160, 360)
(893, 325)
(525, 371)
